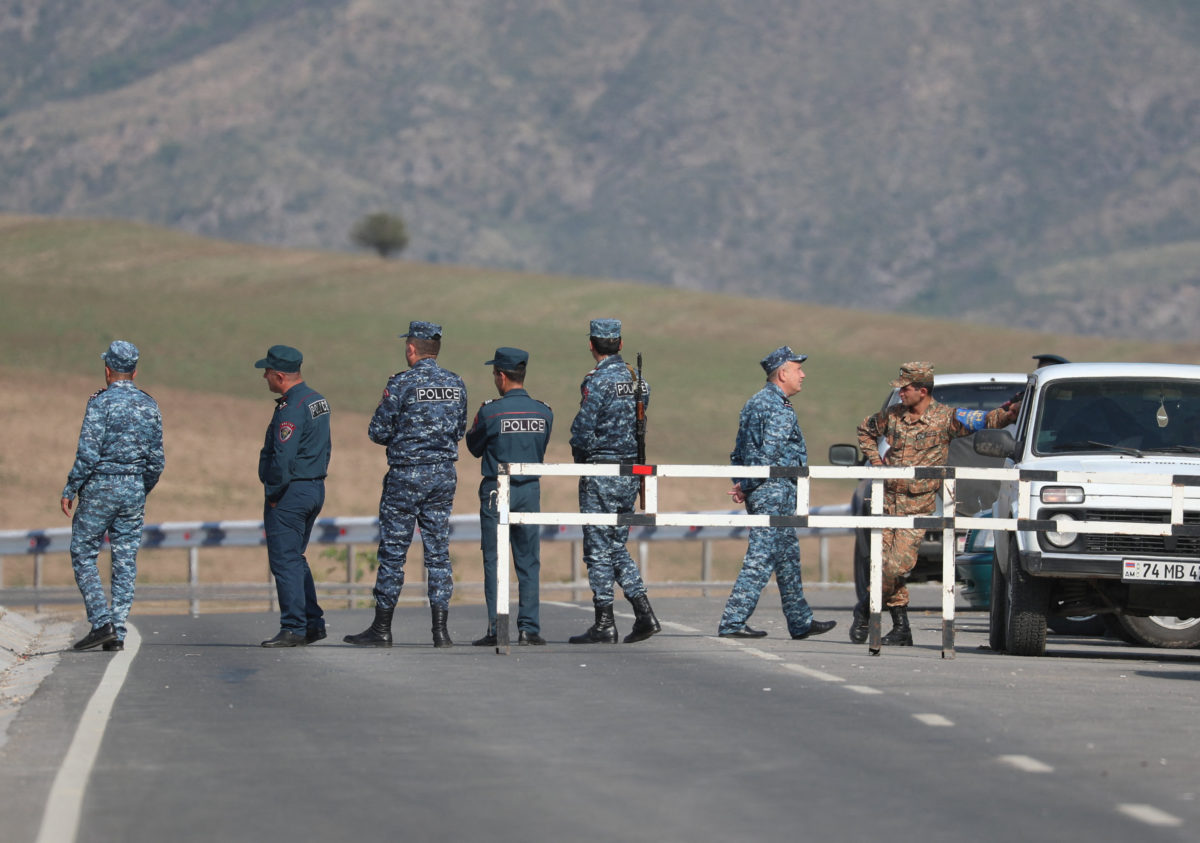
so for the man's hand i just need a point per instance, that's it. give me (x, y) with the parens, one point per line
(66, 506)
(737, 494)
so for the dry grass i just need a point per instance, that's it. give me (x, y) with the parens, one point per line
(204, 310)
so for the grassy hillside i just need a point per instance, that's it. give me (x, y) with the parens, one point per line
(203, 311)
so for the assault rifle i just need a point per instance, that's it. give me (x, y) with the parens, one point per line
(639, 429)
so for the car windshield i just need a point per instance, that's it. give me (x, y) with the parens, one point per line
(975, 396)
(1123, 415)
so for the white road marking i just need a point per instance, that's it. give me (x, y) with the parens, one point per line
(678, 627)
(1149, 815)
(763, 654)
(813, 674)
(567, 605)
(1026, 764)
(863, 689)
(60, 820)
(934, 720)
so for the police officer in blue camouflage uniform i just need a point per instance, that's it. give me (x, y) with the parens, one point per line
(421, 417)
(117, 463)
(604, 432)
(511, 428)
(769, 434)
(292, 466)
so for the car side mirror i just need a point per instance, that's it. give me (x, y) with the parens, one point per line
(995, 443)
(845, 455)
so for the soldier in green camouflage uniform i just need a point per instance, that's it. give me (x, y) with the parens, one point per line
(918, 431)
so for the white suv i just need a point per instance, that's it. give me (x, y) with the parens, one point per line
(1132, 418)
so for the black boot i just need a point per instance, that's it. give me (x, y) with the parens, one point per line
(860, 625)
(378, 634)
(603, 631)
(901, 634)
(441, 638)
(644, 624)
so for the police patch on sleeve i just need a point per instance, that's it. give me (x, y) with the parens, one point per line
(286, 429)
(318, 408)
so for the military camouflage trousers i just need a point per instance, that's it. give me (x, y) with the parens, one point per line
(416, 495)
(770, 550)
(900, 547)
(604, 549)
(116, 505)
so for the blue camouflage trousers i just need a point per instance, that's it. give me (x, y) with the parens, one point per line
(526, 551)
(288, 526)
(416, 495)
(770, 550)
(604, 549)
(114, 504)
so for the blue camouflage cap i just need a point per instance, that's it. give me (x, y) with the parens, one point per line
(424, 331)
(605, 329)
(508, 359)
(779, 356)
(281, 358)
(121, 356)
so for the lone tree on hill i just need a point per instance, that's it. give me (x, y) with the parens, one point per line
(382, 232)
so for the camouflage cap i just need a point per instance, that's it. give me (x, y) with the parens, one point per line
(779, 356)
(915, 372)
(508, 359)
(424, 331)
(281, 358)
(121, 356)
(605, 329)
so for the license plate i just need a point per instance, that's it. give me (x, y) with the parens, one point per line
(1160, 571)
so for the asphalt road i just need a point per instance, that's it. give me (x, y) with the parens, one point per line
(684, 737)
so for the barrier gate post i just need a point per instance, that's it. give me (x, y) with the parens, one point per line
(502, 557)
(949, 550)
(874, 636)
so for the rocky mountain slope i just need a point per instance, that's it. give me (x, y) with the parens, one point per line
(1035, 162)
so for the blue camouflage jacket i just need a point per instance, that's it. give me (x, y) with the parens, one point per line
(511, 428)
(604, 427)
(768, 434)
(422, 415)
(297, 445)
(121, 434)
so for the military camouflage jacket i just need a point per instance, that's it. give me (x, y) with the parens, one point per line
(768, 434)
(422, 415)
(924, 440)
(604, 428)
(121, 434)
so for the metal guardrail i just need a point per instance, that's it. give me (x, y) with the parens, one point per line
(346, 531)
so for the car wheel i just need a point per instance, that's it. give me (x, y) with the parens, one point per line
(1028, 603)
(1092, 625)
(1173, 633)
(998, 612)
